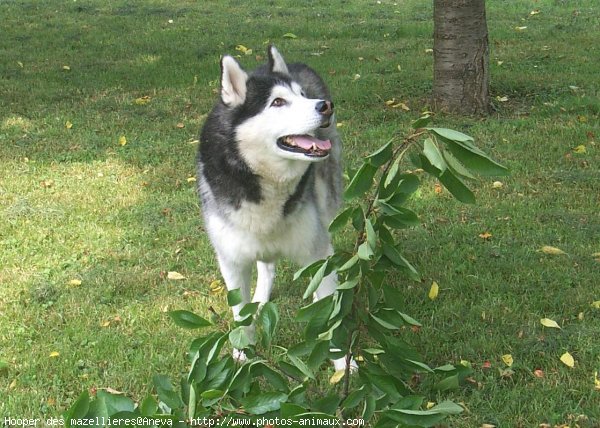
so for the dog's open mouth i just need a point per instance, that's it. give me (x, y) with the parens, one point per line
(305, 144)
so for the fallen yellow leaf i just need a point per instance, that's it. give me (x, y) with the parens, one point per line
(337, 376)
(105, 324)
(580, 149)
(547, 249)
(547, 322)
(497, 185)
(54, 354)
(534, 12)
(142, 100)
(75, 282)
(520, 28)
(191, 179)
(216, 286)
(66, 68)
(508, 359)
(433, 291)
(68, 125)
(568, 359)
(502, 99)
(243, 49)
(596, 304)
(485, 235)
(122, 140)
(596, 381)
(429, 405)
(175, 276)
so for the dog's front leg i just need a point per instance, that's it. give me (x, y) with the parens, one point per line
(264, 282)
(237, 275)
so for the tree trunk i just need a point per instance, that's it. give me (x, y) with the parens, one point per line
(460, 57)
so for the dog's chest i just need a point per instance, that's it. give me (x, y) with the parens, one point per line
(266, 217)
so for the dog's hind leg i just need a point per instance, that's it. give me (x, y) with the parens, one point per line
(264, 282)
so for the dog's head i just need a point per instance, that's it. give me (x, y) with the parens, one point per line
(273, 117)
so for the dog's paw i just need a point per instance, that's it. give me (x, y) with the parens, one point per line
(340, 364)
(239, 356)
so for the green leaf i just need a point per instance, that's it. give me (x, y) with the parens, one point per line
(234, 297)
(189, 320)
(198, 369)
(163, 382)
(290, 36)
(79, 409)
(315, 281)
(351, 262)
(318, 355)
(365, 252)
(458, 189)
(475, 159)
(289, 410)
(328, 335)
(383, 323)
(448, 383)
(149, 406)
(422, 121)
(340, 220)
(392, 173)
(395, 257)
(433, 154)
(455, 165)
(239, 338)
(451, 134)
(268, 319)
(211, 394)
(371, 235)
(410, 320)
(355, 397)
(309, 270)
(170, 398)
(327, 405)
(309, 312)
(350, 283)
(292, 371)
(273, 378)
(300, 365)
(369, 407)
(116, 403)
(263, 402)
(249, 309)
(382, 155)
(361, 182)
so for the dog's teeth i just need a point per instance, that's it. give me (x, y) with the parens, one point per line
(314, 147)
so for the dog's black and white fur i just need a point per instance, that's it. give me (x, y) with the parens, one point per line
(269, 174)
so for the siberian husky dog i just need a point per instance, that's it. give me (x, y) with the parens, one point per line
(269, 175)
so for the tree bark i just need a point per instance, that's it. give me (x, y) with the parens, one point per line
(460, 57)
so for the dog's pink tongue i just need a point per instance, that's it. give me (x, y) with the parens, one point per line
(306, 142)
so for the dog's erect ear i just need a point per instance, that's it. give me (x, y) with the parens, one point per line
(233, 82)
(276, 61)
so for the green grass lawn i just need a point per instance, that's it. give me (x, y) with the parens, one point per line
(89, 226)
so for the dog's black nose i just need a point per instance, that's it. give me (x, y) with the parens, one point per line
(325, 108)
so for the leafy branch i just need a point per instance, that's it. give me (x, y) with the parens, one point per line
(364, 318)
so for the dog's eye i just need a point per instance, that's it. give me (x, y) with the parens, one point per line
(278, 102)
